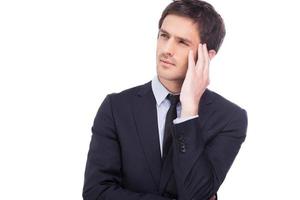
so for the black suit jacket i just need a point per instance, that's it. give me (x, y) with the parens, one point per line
(124, 160)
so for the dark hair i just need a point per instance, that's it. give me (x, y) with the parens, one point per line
(210, 24)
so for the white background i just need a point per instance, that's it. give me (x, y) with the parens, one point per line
(59, 59)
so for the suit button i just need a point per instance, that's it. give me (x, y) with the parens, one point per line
(180, 138)
(182, 148)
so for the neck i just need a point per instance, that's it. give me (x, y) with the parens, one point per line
(173, 87)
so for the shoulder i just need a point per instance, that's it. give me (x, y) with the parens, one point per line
(126, 96)
(226, 115)
(223, 102)
(226, 107)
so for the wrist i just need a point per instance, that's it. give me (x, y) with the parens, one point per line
(189, 111)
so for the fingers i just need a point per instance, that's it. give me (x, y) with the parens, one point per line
(206, 63)
(205, 54)
(191, 61)
(200, 61)
(191, 58)
(201, 67)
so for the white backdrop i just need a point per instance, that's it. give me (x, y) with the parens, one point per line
(60, 58)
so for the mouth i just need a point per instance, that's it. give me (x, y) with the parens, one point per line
(165, 62)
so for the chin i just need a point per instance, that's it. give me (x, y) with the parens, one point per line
(171, 74)
(167, 75)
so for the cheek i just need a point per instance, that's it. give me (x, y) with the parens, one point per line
(159, 44)
(158, 48)
(184, 57)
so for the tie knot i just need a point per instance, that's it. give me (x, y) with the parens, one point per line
(174, 99)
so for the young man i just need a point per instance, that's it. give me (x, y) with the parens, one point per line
(170, 138)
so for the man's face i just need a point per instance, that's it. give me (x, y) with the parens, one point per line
(177, 36)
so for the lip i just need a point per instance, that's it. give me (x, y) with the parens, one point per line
(166, 62)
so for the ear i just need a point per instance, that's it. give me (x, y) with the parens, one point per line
(211, 54)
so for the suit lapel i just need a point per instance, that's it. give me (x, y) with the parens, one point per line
(145, 115)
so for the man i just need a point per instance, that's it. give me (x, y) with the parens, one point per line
(171, 138)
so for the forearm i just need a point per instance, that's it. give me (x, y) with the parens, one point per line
(193, 171)
(200, 165)
(103, 179)
(112, 191)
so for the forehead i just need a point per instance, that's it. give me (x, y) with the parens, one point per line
(180, 26)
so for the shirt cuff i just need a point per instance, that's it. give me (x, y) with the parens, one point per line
(183, 119)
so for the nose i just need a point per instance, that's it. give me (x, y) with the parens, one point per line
(169, 47)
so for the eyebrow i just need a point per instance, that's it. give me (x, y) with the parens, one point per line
(180, 38)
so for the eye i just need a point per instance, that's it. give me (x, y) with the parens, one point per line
(183, 42)
(163, 35)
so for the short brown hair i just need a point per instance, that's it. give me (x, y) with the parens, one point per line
(210, 24)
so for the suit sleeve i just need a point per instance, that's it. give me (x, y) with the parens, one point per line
(200, 166)
(103, 178)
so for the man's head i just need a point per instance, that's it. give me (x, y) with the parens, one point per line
(183, 25)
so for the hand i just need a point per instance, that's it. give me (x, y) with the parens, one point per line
(195, 82)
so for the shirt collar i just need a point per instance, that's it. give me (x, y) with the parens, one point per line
(159, 90)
